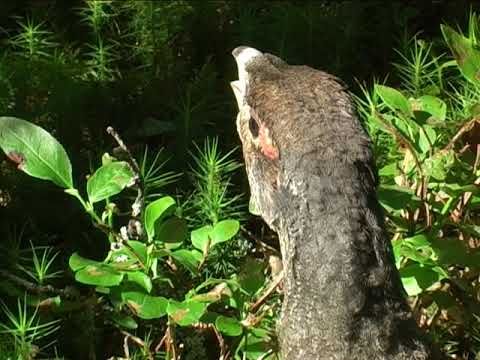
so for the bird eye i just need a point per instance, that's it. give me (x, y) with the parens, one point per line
(253, 126)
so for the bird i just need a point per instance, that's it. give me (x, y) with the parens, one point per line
(313, 180)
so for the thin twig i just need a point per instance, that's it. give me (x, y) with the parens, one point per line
(402, 139)
(161, 342)
(139, 202)
(264, 246)
(276, 280)
(221, 342)
(137, 341)
(32, 287)
(465, 127)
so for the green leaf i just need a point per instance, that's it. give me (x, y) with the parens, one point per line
(187, 312)
(188, 258)
(109, 180)
(417, 278)
(418, 241)
(156, 211)
(451, 251)
(99, 275)
(144, 305)
(394, 197)
(432, 105)
(125, 256)
(201, 238)
(423, 142)
(439, 165)
(224, 231)
(172, 231)
(141, 279)
(124, 321)
(228, 326)
(36, 152)
(389, 170)
(252, 277)
(394, 99)
(464, 52)
(76, 262)
(255, 347)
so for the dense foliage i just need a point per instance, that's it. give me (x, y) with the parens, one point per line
(149, 251)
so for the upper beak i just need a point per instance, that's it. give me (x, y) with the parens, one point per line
(242, 55)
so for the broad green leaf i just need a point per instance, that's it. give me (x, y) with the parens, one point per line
(214, 295)
(431, 134)
(76, 262)
(421, 255)
(156, 211)
(256, 346)
(99, 275)
(394, 99)
(201, 238)
(188, 258)
(140, 249)
(252, 277)
(464, 52)
(394, 197)
(144, 305)
(228, 326)
(187, 312)
(224, 230)
(396, 247)
(439, 165)
(419, 241)
(423, 142)
(109, 180)
(36, 152)
(451, 251)
(417, 278)
(129, 255)
(172, 231)
(141, 279)
(431, 105)
(124, 321)
(389, 170)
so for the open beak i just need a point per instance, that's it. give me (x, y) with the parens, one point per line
(242, 55)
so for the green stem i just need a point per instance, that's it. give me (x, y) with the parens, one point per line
(86, 205)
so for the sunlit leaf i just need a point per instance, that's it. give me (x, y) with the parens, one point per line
(110, 179)
(76, 262)
(228, 326)
(464, 52)
(144, 305)
(417, 278)
(224, 230)
(156, 211)
(188, 258)
(432, 105)
(99, 275)
(393, 98)
(141, 279)
(36, 152)
(187, 312)
(201, 238)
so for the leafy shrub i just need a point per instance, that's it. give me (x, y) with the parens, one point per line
(152, 270)
(430, 181)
